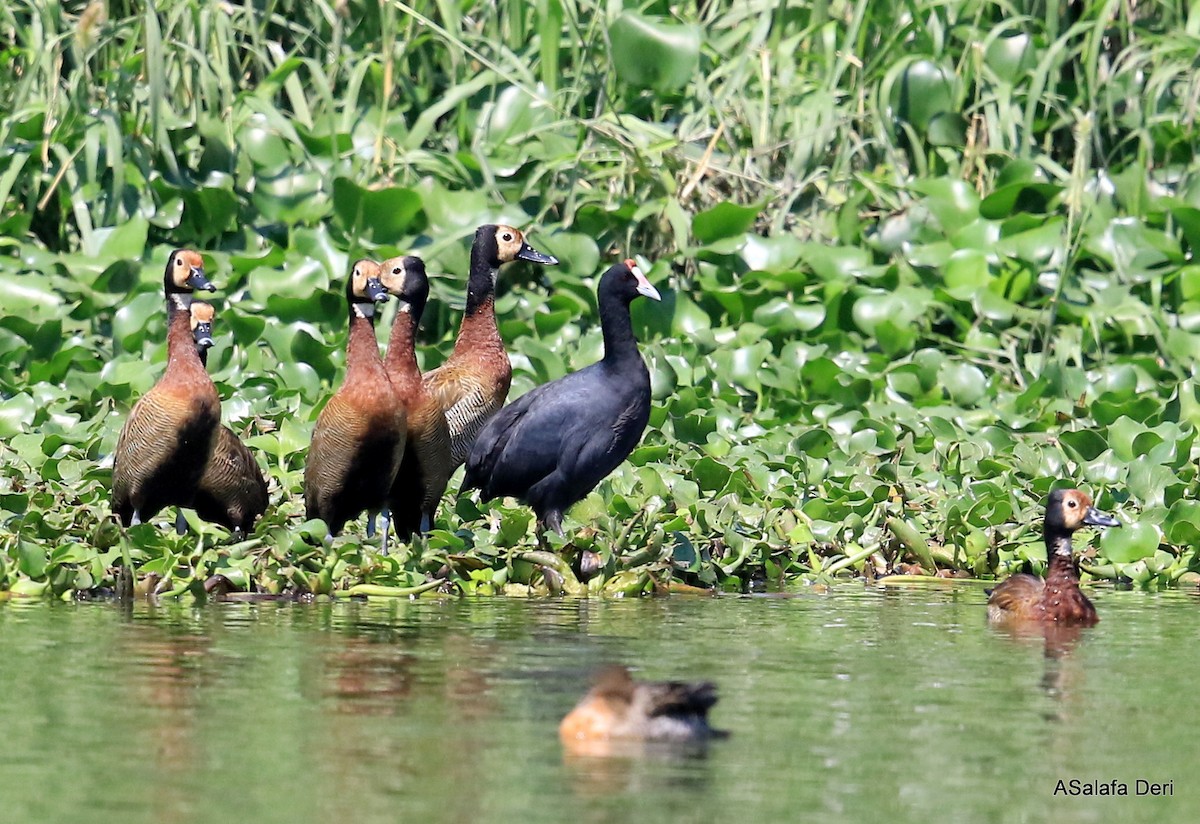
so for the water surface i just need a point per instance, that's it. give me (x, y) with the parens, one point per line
(858, 704)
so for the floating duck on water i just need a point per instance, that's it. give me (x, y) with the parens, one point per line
(620, 709)
(1057, 598)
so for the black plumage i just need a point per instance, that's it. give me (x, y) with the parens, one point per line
(551, 446)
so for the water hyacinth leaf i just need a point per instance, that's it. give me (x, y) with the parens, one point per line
(786, 316)
(965, 383)
(1010, 56)
(515, 113)
(653, 53)
(210, 210)
(1023, 196)
(722, 221)
(16, 414)
(131, 321)
(953, 202)
(381, 215)
(1037, 245)
(966, 272)
(1131, 542)
(577, 254)
(292, 197)
(923, 90)
(687, 317)
(1086, 444)
(128, 240)
(32, 559)
(294, 281)
(837, 262)
(300, 377)
(27, 294)
(263, 146)
(1182, 524)
(946, 129)
(1188, 218)
(775, 254)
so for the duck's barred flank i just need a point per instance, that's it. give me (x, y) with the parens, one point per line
(474, 381)
(359, 436)
(170, 433)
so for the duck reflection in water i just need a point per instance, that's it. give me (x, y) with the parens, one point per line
(1058, 644)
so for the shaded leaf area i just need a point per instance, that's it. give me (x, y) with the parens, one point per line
(917, 266)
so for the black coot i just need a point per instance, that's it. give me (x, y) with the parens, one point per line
(551, 446)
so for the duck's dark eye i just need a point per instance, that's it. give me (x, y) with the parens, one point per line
(397, 270)
(506, 237)
(1071, 504)
(178, 261)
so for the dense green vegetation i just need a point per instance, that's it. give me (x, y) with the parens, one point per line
(918, 263)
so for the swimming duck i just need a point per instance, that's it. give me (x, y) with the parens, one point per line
(619, 708)
(1024, 597)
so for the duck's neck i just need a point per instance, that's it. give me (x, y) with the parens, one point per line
(478, 332)
(182, 353)
(179, 302)
(362, 350)
(481, 284)
(617, 328)
(1061, 571)
(401, 361)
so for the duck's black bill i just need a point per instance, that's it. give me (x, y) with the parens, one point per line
(1095, 517)
(203, 335)
(376, 291)
(529, 253)
(197, 280)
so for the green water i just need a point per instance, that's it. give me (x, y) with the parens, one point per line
(854, 705)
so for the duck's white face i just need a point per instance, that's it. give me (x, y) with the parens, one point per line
(1075, 506)
(364, 272)
(182, 267)
(1075, 510)
(509, 242)
(201, 313)
(394, 275)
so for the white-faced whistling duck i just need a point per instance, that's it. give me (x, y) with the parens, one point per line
(232, 492)
(359, 436)
(1058, 598)
(425, 467)
(473, 382)
(171, 431)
